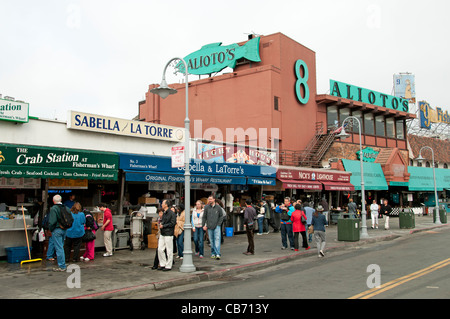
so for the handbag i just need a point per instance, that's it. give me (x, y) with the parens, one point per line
(311, 229)
(88, 236)
(303, 220)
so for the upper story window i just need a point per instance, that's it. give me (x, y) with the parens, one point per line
(379, 125)
(369, 126)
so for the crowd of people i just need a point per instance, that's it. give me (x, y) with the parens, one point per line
(293, 219)
(66, 234)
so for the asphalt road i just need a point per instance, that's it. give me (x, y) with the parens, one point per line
(416, 267)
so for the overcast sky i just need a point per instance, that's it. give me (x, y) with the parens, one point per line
(100, 56)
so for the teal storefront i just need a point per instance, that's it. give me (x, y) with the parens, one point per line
(374, 179)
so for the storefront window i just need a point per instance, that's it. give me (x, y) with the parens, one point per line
(390, 127)
(379, 125)
(332, 117)
(400, 129)
(358, 115)
(369, 126)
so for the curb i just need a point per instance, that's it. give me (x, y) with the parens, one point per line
(236, 270)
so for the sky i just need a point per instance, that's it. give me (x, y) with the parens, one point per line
(100, 56)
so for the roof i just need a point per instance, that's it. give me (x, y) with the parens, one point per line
(440, 147)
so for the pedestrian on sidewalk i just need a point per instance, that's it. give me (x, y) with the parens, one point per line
(179, 230)
(197, 216)
(260, 217)
(386, 210)
(91, 225)
(107, 228)
(285, 210)
(374, 211)
(249, 222)
(75, 233)
(352, 208)
(212, 221)
(309, 211)
(298, 226)
(318, 223)
(165, 241)
(58, 232)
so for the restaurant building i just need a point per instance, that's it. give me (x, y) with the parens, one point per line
(276, 88)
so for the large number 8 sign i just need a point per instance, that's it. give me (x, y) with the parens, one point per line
(301, 81)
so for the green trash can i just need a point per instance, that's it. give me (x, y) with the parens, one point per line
(442, 215)
(406, 219)
(348, 229)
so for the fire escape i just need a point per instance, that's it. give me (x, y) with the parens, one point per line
(312, 155)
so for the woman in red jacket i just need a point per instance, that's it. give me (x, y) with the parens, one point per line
(298, 227)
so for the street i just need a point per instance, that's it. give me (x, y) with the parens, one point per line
(407, 267)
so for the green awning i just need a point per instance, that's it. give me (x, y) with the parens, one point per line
(373, 175)
(421, 179)
(49, 162)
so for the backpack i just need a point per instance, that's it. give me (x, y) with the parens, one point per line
(285, 216)
(65, 217)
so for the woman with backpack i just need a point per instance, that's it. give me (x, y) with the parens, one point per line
(91, 225)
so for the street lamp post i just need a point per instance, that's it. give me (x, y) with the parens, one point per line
(343, 135)
(436, 209)
(164, 91)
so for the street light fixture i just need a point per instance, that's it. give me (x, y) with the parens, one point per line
(343, 135)
(436, 209)
(164, 91)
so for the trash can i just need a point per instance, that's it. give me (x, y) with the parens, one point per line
(442, 215)
(348, 229)
(406, 219)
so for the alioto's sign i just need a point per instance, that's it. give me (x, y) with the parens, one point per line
(359, 94)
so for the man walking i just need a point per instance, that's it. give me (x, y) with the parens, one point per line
(212, 221)
(58, 232)
(165, 241)
(386, 210)
(249, 219)
(352, 208)
(374, 211)
(309, 211)
(107, 228)
(319, 222)
(285, 210)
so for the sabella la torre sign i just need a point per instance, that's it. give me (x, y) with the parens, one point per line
(111, 125)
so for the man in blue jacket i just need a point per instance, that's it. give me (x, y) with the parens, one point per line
(285, 210)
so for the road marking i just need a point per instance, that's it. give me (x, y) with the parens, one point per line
(399, 281)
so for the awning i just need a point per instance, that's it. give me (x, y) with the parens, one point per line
(421, 179)
(24, 161)
(151, 176)
(373, 175)
(333, 186)
(300, 184)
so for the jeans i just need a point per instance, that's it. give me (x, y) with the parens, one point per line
(286, 230)
(59, 236)
(260, 224)
(51, 248)
(198, 240)
(214, 238)
(309, 235)
(180, 244)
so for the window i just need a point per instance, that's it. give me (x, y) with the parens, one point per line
(332, 116)
(369, 127)
(400, 129)
(445, 165)
(436, 165)
(275, 103)
(427, 164)
(343, 114)
(411, 162)
(357, 114)
(390, 127)
(379, 125)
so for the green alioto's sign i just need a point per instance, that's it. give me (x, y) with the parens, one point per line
(214, 57)
(45, 162)
(369, 154)
(355, 93)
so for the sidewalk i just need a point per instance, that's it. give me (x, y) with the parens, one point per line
(113, 277)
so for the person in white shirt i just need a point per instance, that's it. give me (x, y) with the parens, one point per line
(374, 210)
